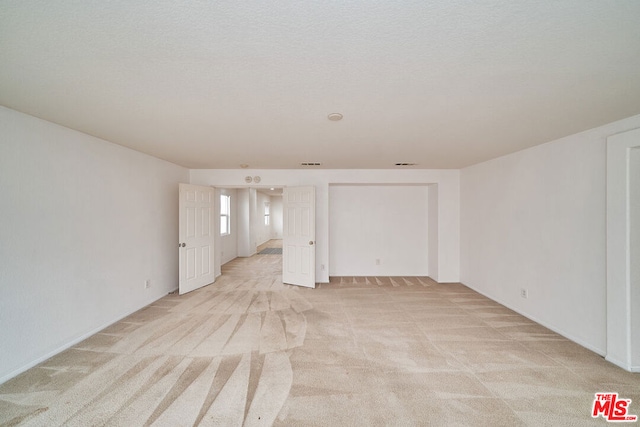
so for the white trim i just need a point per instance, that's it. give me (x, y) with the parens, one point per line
(619, 296)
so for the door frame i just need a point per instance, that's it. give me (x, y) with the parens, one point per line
(242, 228)
(622, 350)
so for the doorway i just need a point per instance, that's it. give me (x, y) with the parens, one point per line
(254, 219)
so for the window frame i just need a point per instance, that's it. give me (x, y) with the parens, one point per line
(225, 214)
(267, 213)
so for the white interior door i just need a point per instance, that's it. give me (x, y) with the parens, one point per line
(299, 236)
(196, 234)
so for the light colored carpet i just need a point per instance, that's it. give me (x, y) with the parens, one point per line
(249, 350)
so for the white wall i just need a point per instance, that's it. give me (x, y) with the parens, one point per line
(536, 220)
(448, 198)
(83, 224)
(249, 213)
(262, 231)
(276, 217)
(378, 230)
(243, 223)
(432, 249)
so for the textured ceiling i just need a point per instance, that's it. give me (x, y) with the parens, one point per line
(209, 84)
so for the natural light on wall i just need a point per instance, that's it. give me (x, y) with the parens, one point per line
(266, 213)
(225, 210)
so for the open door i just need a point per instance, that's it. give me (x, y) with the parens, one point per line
(299, 236)
(196, 234)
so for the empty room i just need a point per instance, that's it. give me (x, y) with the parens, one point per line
(317, 213)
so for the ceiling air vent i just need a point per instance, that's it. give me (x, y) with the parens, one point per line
(406, 164)
(310, 164)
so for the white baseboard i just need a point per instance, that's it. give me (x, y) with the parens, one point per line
(622, 364)
(598, 351)
(70, 344)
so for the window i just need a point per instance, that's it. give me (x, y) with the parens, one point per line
(266, 213)
(225, 215)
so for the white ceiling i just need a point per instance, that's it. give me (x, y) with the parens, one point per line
(212, 84)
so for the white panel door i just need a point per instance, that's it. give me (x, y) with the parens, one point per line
(299, 236)
(196, 234)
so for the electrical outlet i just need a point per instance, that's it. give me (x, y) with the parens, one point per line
(524, 293)
(147, 284)
(377, 261)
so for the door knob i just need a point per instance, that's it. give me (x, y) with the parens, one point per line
(311, 242)
(182, 245)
